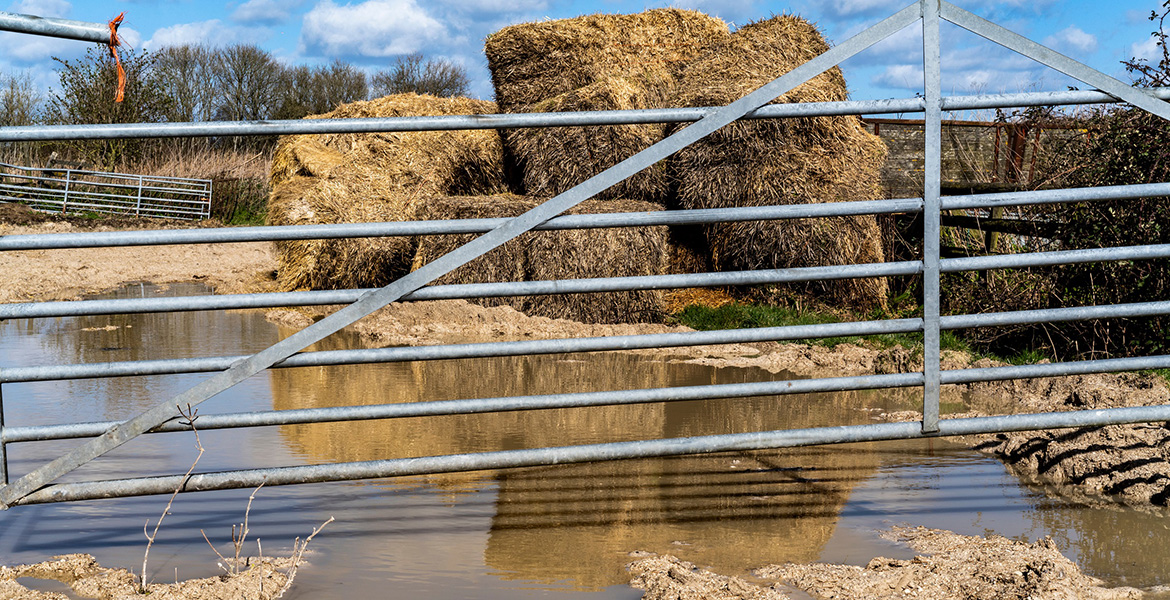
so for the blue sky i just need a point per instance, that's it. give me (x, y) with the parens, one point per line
(371, 33)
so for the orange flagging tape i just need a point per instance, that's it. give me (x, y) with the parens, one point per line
(114, 23)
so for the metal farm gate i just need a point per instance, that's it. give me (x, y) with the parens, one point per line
(78, 191)
(39, 485)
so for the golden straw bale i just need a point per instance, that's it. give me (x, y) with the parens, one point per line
(595, 62)
(307, 157)
(339, 263)
(567, 254)
(554, 159)
(533, 62)
(781, 161)
(351, 178)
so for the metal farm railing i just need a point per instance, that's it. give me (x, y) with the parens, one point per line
(76, 191)
(38, 486)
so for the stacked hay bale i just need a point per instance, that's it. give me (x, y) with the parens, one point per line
(596, 62)
(353, 178)
(564, 254)
(781, 161)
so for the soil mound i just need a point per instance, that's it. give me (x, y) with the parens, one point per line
(955, 567)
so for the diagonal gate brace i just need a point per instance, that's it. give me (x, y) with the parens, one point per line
(374, 300)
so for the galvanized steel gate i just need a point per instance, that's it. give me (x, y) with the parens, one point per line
(38, 485)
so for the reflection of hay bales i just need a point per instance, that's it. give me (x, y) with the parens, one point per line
(596, 62)
(350, 178)
(566, 254)
(733, 510)
(781, 161)
(442, 380)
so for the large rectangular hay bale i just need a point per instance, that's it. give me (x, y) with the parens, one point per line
(566, 254)
(781, 161)
(353, 178)
(595, 62)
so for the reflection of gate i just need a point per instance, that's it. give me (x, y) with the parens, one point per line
(77, 191)
(38, 485)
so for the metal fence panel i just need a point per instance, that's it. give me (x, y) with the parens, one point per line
(37, 486)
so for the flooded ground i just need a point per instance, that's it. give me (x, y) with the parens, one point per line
(561, 531)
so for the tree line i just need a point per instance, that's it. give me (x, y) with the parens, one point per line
(202, 83)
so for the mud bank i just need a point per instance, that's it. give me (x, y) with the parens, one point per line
(83, 576)
(951, 566)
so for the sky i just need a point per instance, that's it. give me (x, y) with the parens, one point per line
(372, 33)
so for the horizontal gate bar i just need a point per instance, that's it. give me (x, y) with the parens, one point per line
(50, 241)
(484, 405)
(592, 399)
(455, 291)
(605, 284)
(592, 344)
(102, 239)
(53, 27)
(559, 119)
(1083, 367)
(67, 492)
(1051, 315)
(1059, 257)
(458, 351)
(1111, 192)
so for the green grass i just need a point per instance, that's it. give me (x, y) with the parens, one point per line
(1029, 356)
(1163, 373)
(744, 316)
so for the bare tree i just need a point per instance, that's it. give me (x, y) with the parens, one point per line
(185, 72)
(248, 81)
(337, 84)
(86, 96)
(20, 100)
(411, 73)
(308, 91)
(20, 104)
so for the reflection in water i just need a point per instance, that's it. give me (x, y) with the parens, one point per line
(730, 510)
(726, 511)
(515, 533)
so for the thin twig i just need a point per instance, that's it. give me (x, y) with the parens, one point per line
(239, 542)
(190, 415)
(222, 561)
(298, 554)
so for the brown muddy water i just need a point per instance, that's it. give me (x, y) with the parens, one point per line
(562, 531)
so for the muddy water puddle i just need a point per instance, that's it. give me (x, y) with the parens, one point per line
(562, 531)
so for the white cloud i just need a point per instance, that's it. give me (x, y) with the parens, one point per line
(130, 36)
(900, 77)
(42, 8)
(212, 32)
(1147, 49)
(851, 8)
(375, 28)
(496, 6)
(1072, 39)
(266, 12)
